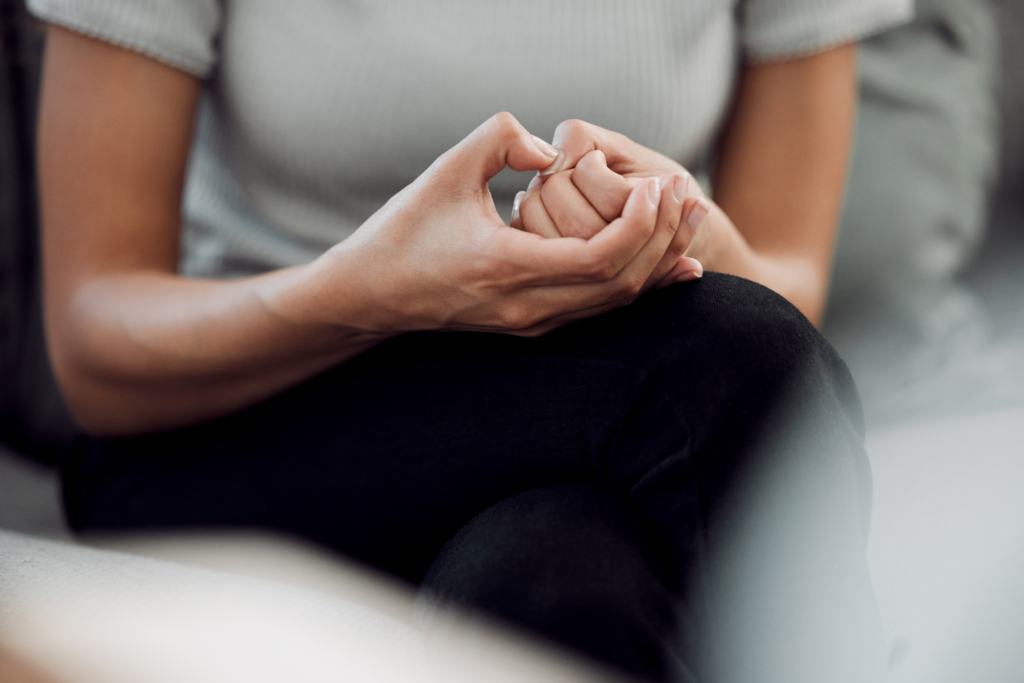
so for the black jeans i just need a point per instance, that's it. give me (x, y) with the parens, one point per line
(702, 447)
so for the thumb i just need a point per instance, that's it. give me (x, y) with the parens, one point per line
(498, 142)
(578, 139)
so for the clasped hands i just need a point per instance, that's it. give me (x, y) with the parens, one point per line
(604, 221)
(578, 195)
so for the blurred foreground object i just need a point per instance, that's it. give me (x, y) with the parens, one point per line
(78, 615)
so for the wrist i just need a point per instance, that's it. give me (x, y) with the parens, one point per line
(721, 247)
(319, 301)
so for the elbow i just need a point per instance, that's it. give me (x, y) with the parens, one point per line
(86, 398)
(98, 398)
(98, 375)
(103, 408)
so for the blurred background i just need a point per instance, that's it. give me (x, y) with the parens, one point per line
(927, 307)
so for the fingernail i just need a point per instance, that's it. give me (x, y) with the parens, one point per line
(535, 181)
(546, 148)
(696, 272)
(516, 202)
(681, 185)
(556, 165)
(654, 191)
(668, 180)
(551, 152)
(698, 213)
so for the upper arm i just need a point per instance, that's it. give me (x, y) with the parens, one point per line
(784, 156)
(115, 130)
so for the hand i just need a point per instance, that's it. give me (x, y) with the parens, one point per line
(603, 153)
(579, 202)
(438, 256)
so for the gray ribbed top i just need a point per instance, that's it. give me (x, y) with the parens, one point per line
(315, 112)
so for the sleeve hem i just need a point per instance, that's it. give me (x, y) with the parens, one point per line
(178, 61)
(810, 46)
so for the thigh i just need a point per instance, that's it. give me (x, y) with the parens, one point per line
(383, 458)
(383, 462)
(388, 455)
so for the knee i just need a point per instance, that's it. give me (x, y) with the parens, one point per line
(757, 324)
(796, 414)
(756, 339)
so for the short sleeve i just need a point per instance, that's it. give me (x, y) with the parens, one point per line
(772, 30)
(181, 33)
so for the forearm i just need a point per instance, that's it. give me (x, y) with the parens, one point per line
(801, 279)
(781, 173)
(143, 352)
(137, 348)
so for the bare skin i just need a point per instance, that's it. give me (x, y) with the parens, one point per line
(778, 186)
(581, 201)
(139, 349)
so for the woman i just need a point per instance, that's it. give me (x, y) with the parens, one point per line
(267, 313)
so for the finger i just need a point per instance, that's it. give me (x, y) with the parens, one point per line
(696, 210)
(571, 260)
(534, 216)
(686, 269)
(648, 269)
(570, 211)
(650, 211)
(603, 188)
(673, 209)
(577, 138)
(662, 250)
(628, 235)
(499, 141)
(532, 307)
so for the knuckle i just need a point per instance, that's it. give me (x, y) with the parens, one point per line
(606, 271)
(555, 186)
(649, 227)
(507, 319)
(586, 168)
(570, 129)
(596, 268)
(677, 249)
(528, 204)
(630, 285)
(574, 125)
(610, 271)
(515, 317)
(505, 125)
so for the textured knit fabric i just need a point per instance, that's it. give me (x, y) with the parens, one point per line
(315, 112)
(714, 408)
